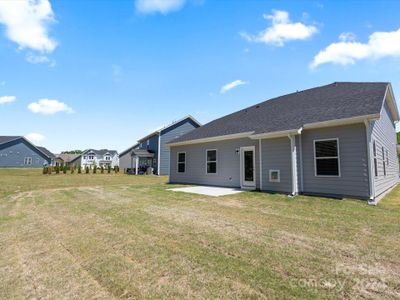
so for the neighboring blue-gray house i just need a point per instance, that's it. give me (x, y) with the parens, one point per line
(334, 140)
(18, 152)
(152, 150)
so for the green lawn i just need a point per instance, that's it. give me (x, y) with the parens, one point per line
(117, 236)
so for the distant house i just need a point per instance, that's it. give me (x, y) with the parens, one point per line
(49, 154)
(99, 158)
(125, 157)
(18, 152)
(67, 159)
(334, 140)
(152, 150)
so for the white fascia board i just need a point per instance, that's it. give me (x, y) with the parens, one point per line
(276, 134)
(214, 139)
(339, 122)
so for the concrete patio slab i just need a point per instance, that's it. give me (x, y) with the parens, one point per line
(208, 190)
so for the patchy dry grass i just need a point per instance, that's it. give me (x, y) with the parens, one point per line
(111, 236)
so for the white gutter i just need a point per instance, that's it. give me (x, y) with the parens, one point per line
(339, 122)
(276, 134)
(214, 139)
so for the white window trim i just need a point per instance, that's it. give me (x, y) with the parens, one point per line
(275, 180)
(243, 183)
(26, 159)
(384, 161)
(178, 162)
(375, 159)
(216, 161)
(328, 157)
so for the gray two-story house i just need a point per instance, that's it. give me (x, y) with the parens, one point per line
(334, 140)
(152, 150)
(18, 152)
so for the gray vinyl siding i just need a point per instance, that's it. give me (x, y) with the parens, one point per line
(353, 162)
(228, 163)
(276, 156)
(125, 161)
(384, 134)
(168, 136)
(13, 156)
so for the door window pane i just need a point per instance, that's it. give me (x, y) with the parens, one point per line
(248, 166)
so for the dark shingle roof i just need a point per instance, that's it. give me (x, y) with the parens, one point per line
(338, 100)
(6, 139)
(45, 151)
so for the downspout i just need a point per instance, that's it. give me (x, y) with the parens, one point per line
(293, 160)
(159, 154)
(301, 165)
(371, 177)
(261, 166)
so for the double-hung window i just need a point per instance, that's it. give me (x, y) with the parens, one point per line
(326, 157)
(211, 159)
(181, 162)
(383, 161)
(375, 159)
(27, 160)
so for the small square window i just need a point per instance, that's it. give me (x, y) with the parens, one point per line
(274, 176)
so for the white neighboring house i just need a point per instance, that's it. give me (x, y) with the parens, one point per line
(100, 158)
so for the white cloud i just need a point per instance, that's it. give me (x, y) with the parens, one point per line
(40, 59)
(7, 99)
(380, 44)
(161, 6)
(35, 137)
(281, 31)
(49, 107)
(27, 23)
(227, 87)
(347, 37)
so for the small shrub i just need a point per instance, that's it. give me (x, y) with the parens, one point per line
(45, 170)
(116, 169)
(94, 169)
(49, 170)
(65, 170)
(109, 169)
(79, 169)
(72, 169)
(57, 169)
(102, 170)
(87, 170)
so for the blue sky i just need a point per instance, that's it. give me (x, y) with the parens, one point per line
(101, 74)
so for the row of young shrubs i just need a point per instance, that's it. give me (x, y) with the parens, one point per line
(64, 169)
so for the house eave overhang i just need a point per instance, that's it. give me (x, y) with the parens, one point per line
(283, 133)
(276, 134)
(213, 139)
(339, 122)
